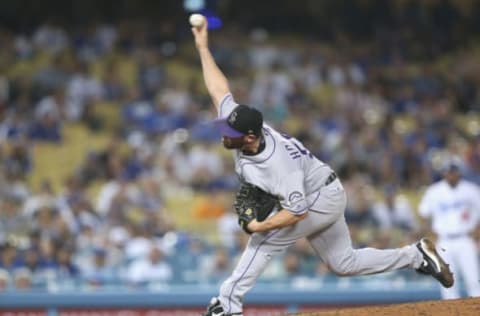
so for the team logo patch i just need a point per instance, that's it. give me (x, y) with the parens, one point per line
(295, 196)
(232, 118)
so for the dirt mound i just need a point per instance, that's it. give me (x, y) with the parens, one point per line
(461, 307)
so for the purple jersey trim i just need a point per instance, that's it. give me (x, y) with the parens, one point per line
(255, 162)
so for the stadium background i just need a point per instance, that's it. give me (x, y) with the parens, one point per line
(114, 189)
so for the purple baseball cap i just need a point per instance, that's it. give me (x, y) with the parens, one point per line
(243, 120)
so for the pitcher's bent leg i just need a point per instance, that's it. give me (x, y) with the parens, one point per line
(252, 263)
(334, 246)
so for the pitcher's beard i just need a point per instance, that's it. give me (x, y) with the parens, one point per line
(232, 143)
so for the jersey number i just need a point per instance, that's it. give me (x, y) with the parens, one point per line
(295, 148)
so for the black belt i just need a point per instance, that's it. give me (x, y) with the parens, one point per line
(331, 178)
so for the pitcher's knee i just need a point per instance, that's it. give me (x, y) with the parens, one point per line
(343, 265)
(341, 270)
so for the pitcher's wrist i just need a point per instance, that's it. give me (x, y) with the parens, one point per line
(203, 47)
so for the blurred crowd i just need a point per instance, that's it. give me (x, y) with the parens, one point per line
(383, 118)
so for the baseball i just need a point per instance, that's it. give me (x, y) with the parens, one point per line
(196, 20)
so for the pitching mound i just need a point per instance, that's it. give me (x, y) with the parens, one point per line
(461, 307)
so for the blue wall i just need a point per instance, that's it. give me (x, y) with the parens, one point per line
(199, 295)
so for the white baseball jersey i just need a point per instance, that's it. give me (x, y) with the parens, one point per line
(284, 168)
(454, 211)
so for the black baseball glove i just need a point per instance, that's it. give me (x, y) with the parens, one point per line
(251, 203)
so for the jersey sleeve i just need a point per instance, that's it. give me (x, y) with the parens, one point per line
(292, 194)
(226, 105)
(425, 207)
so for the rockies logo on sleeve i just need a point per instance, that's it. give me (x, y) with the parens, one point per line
(295, 196)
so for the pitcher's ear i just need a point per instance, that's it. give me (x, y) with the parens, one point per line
(250, 138)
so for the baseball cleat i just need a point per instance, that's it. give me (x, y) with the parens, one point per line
(216, 309)
(433, 264)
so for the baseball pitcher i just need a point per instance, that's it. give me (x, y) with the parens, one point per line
(289, 194)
